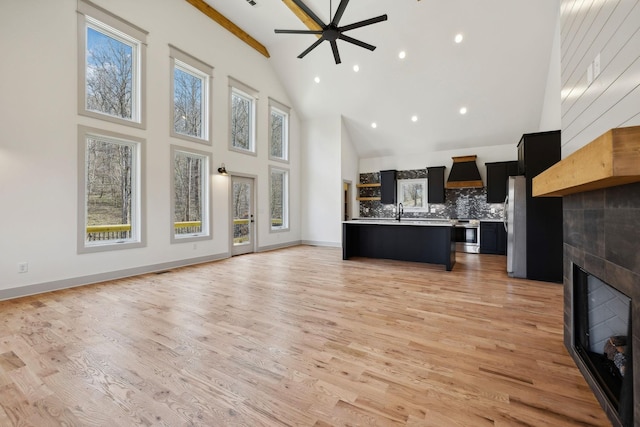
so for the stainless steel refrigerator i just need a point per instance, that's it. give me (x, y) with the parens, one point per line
(515, 223)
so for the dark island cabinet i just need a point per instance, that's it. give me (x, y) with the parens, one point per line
(493, 238)
(435, 184)
(388, 187)
(498, 174)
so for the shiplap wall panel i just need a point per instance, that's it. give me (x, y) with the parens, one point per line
(611, 28)
(602, 29)
(570, 57)
(575, 58)
(616, 75)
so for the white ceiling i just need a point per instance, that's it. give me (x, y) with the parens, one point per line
(498, 72)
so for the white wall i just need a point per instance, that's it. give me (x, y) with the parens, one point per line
(611, 29)
(38, 140)
(322, 182)
(349, 164)
(494, 153)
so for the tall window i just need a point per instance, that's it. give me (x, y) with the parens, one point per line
(111, 67)
(190, 97)
(278, 131)
(242, 100)
(190, 197)
(110, 191)
(279, 198)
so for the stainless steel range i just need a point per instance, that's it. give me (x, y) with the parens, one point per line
(467, 235)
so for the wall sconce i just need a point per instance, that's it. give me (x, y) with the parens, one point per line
(222, 170)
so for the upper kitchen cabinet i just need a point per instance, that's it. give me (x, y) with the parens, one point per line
(388, 187)
(497, 175)
(537, 152)
(435, 184)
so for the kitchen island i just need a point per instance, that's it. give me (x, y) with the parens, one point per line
(429, 241)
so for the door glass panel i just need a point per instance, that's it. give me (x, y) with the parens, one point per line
(241, 213)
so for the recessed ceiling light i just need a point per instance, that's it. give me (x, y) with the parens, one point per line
(374, 125)
(414, 118)
(402, 54)
(317, 79)
(356, 68)
(459, 38)
(463, 110)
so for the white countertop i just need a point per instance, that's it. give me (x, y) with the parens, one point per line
(404, 221)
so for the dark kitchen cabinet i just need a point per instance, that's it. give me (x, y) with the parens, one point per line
(435, 184)
(493, 238)
(536, 153)
(497, 175)
(388, 187)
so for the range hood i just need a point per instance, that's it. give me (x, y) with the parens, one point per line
(464, 173)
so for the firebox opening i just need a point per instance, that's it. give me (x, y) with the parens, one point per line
(602, 337)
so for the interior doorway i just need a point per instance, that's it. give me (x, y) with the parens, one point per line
(242, 215)
(346, 197)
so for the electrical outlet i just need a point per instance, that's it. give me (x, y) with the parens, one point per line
(23, 267)
(596, 66)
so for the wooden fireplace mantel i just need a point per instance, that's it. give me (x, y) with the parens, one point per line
(611, 159)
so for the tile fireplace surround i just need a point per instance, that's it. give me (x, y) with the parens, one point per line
(601, 235)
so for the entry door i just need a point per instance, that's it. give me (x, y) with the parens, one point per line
(242, 207)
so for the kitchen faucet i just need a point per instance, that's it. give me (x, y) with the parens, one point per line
(399, 211)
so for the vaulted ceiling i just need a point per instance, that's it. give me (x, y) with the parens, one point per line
(498, 72)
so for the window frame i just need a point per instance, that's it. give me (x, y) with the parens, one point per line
(138, 206)
(197, 68)
(425, 189)
(245, 91)
(90, 15)
(286, 200)
(285, 111)
(205, 196)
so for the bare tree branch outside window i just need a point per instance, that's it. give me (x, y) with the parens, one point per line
(109, 182)
(241, 110)
(187, 101)
(109, 75)
(277, 135)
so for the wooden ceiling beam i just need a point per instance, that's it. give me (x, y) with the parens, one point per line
(306, 19)
(203, 7)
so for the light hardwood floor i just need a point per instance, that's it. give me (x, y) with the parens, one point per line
(295, 337)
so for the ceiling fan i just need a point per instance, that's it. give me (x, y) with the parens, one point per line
(332, 31)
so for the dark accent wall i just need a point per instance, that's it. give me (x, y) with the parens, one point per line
(459, 202)
(602, 235)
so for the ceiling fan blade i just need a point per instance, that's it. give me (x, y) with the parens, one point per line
(356, 42)
(309, 12)
(336, 54)
(297, 32)
(363, 23)
(339, 12)
(310, 48)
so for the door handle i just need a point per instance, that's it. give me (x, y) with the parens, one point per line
(506, 213)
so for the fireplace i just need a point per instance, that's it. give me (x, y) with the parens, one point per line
(602, 249)
(602, 330)
(600, 186)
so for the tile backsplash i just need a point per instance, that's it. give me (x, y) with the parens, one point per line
(459, 202)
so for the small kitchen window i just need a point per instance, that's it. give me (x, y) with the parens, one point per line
(412, 193)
